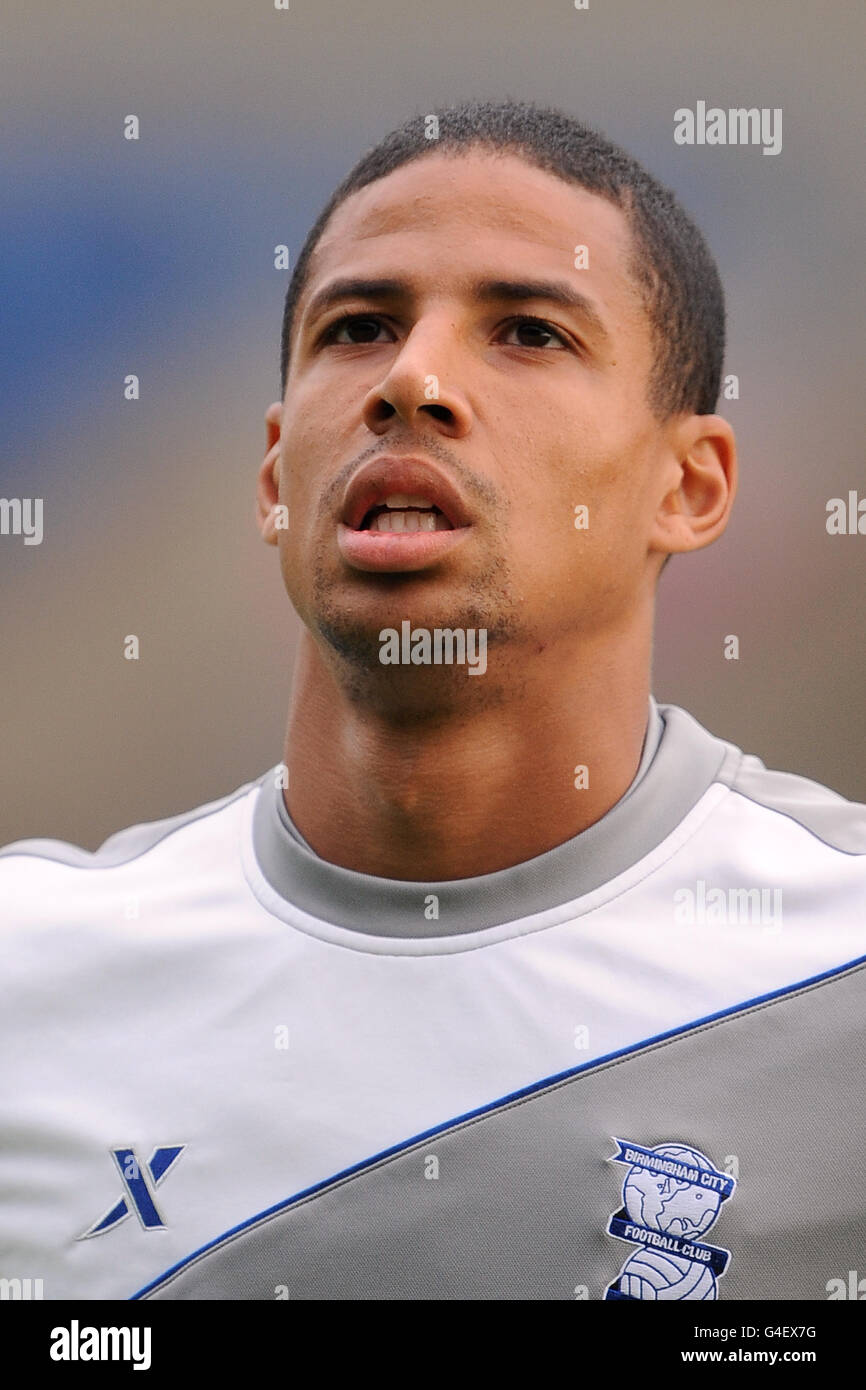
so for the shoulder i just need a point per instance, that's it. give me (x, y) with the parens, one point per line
(818, 810)
(822, 813)
(29, 864)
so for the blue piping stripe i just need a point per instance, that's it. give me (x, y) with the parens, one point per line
(488, 1109)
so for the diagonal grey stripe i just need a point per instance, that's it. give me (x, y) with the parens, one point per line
(524, 1192)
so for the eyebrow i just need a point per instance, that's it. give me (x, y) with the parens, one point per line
(482, 292)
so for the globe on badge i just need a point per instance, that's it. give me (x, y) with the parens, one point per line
(668, 1204)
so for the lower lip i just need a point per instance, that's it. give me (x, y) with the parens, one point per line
(389, 552)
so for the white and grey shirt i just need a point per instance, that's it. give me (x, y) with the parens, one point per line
(630, 1067)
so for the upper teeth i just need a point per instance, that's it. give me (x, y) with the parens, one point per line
(403, 512)
(408, 519)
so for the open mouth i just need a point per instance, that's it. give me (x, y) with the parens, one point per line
(402, 513)
(399, 515)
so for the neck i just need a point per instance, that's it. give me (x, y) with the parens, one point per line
(474, 790)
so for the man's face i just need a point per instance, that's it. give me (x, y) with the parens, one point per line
(518, 407)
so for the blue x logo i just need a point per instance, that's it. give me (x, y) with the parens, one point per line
(138, 1194)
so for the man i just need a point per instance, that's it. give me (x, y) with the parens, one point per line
(507, 982)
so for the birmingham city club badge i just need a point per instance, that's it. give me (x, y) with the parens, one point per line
(671, 1197)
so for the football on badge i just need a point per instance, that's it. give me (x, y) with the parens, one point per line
(650, 1274)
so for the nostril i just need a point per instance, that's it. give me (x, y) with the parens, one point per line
(439, 412)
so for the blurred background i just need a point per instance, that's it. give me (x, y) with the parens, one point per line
(156, 257)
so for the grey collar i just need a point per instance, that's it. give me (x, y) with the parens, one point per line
(680, 760)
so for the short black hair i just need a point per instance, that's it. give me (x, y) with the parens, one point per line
(671, 263)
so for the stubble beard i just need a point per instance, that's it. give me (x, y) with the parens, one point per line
(410, 693)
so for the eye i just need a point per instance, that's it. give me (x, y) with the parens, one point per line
(357, 329)
(361, 328)
(536, 332)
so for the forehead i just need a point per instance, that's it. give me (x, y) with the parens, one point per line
(444, 215)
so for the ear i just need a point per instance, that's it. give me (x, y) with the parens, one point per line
(268, 488)
(700, 485)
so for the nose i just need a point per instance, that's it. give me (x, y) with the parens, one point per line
(420, 385)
